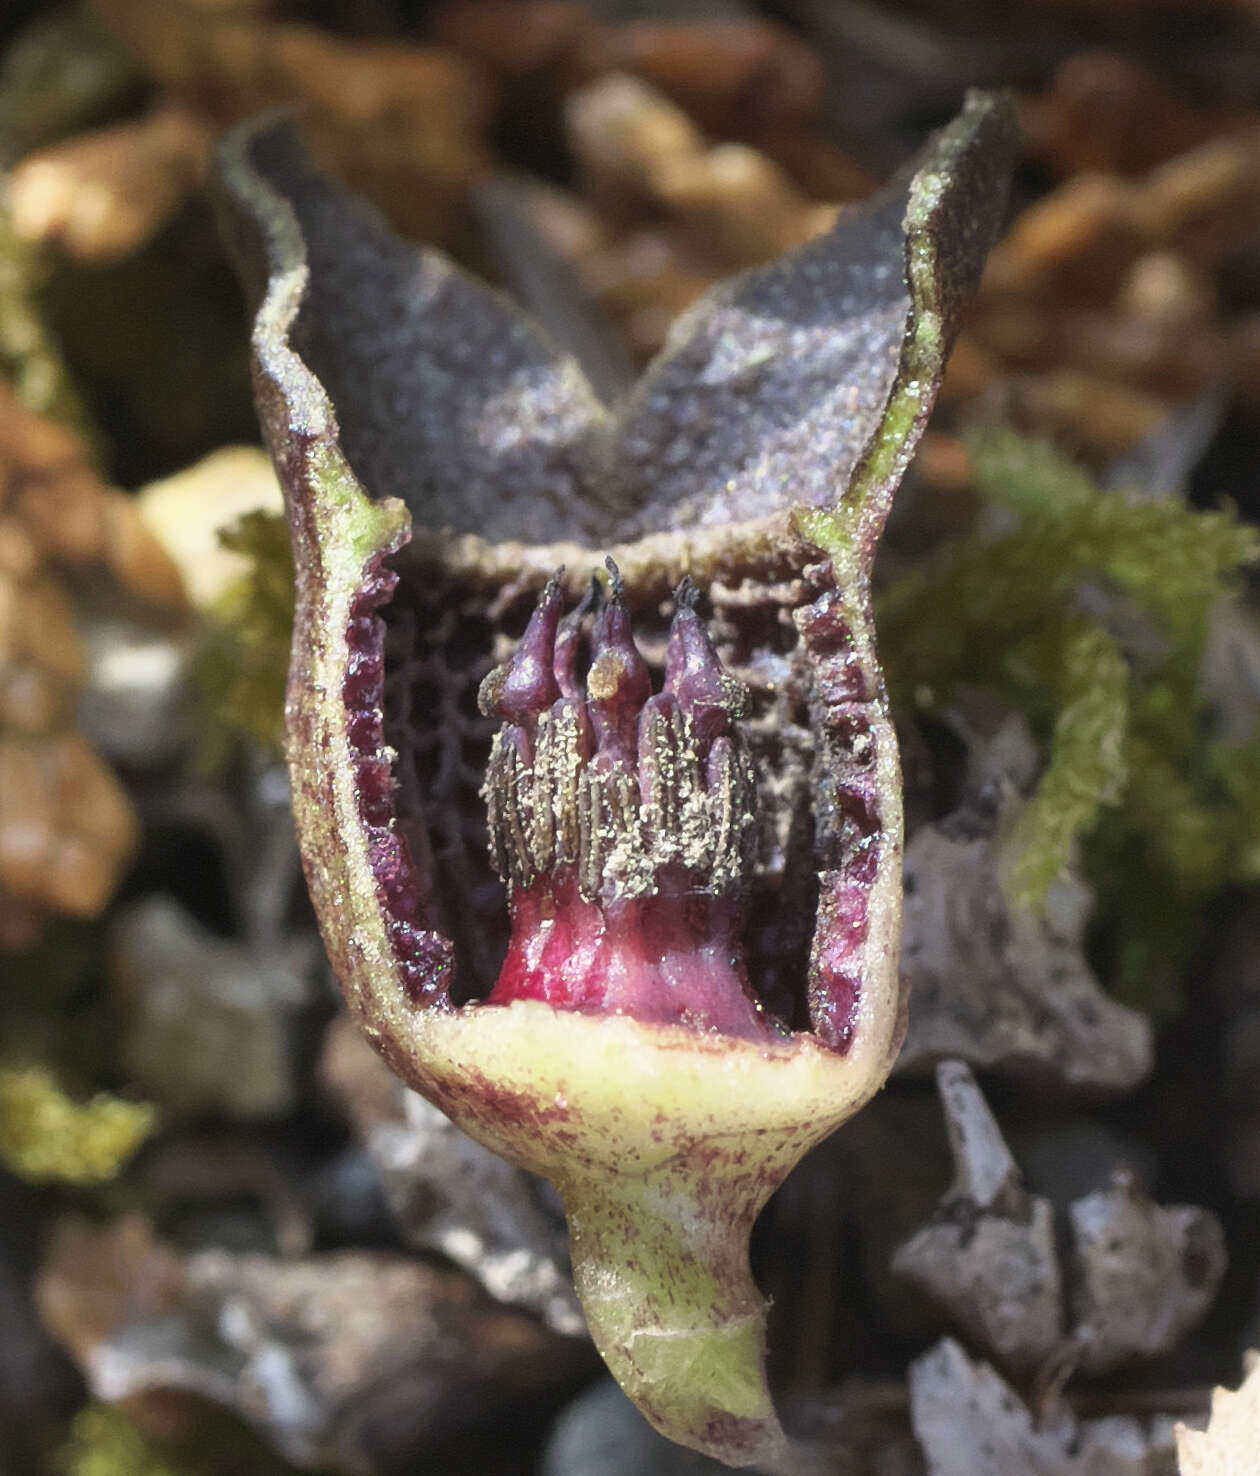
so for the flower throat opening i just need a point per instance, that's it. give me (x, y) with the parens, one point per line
(620, 821)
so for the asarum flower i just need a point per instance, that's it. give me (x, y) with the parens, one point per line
(610, 867)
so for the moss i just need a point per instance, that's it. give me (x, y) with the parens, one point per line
(963, 617)
(46, 1137)
(1087, 610)
(1237, 770)
(29, 357)
(104, 1442)
(245, 661)
(1028, 475)
(1086, 767)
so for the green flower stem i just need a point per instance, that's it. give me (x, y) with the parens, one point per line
(664, 1146)
(672, 1306)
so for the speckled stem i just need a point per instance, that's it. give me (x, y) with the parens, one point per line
(673, 1309)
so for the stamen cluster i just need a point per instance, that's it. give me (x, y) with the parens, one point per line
(621, 820)
(606, 778)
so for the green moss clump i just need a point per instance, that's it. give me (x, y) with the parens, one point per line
(1087, 765)
(104, 1442)
(29, 357)
(1088, 611)
(965, 616)
(245, 661)
(46, 1137)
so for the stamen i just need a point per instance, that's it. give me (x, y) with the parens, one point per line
(620, 821)
(618, 683)
(526, 685)
(706, 694)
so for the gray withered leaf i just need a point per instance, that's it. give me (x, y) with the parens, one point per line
(970, 1422)
(684, 973)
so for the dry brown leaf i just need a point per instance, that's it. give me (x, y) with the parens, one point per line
(641, 151)
(1108, 296)
(187, 511)
(68, 514)
(403, 121)
(101, 196)
(1105, 110)
(738, 77)
(67, 828)
(96, 1278)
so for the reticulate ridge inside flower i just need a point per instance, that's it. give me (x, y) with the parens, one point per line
(620, 820)
(425, 960)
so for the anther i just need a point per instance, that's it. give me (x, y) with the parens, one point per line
(526, 685)
(706, 694)
(618, 683)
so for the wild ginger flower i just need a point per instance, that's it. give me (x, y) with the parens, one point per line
(698, 825)
(620, 822)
